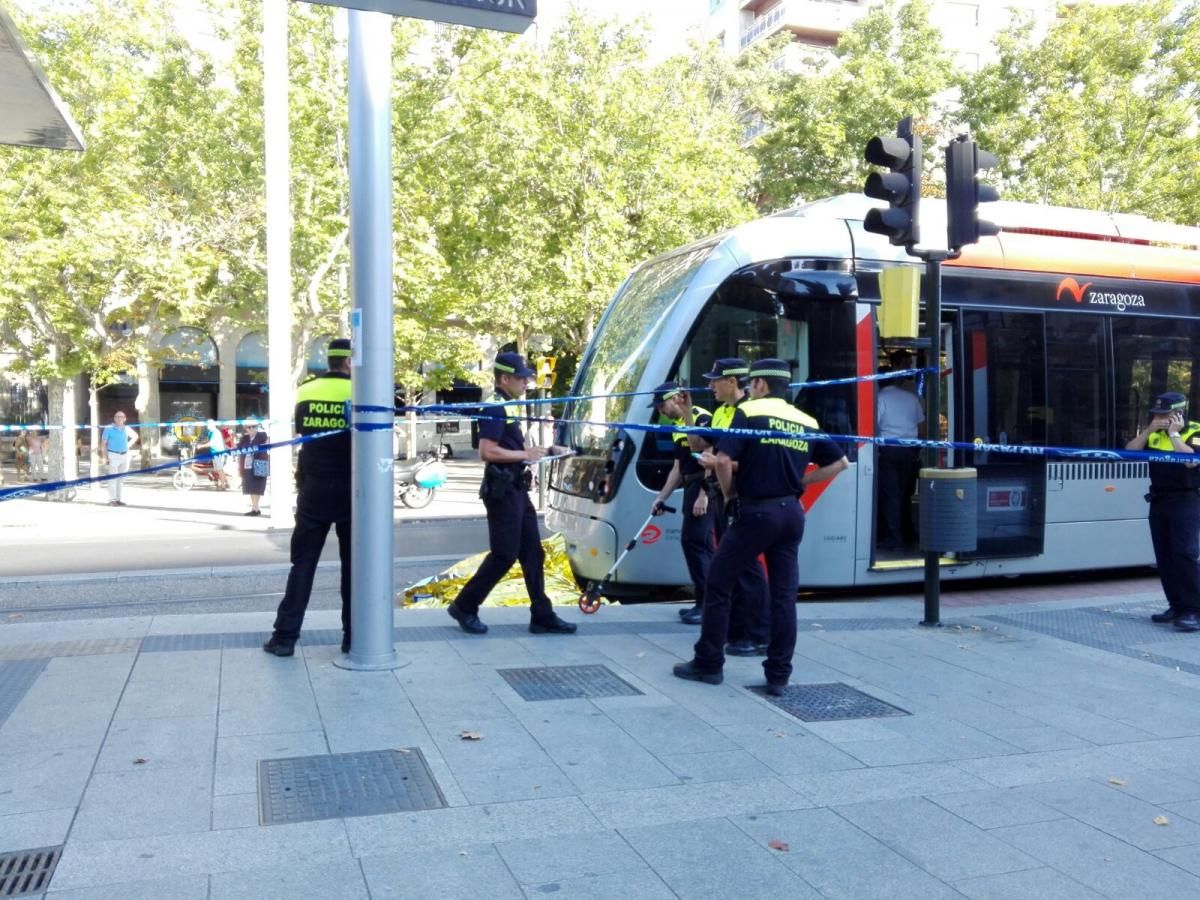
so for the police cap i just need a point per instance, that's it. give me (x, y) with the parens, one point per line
(339, 348)
(728, 367)
(509, 363)
(663, 392)
(1168, 403)
(770, 368)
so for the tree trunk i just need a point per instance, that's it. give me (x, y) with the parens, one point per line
(94, 430)
(60, 458)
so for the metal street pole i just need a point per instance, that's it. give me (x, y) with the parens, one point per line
(280, 389)
(373, 593)
(933, 412)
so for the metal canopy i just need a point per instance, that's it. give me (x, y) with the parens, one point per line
(499, 15)
(31, 113)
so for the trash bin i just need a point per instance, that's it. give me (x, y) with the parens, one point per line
(949, 520)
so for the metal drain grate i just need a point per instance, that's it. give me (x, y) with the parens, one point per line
(830, 703)
(16, 678)
(27, 873)
(370, 783)
(567, 683)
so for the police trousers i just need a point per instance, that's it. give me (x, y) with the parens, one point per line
(1175, 531)
(896, 472)
(321, 503)
(512, 536)
(750, 608)
(771, 529)
(696, 538)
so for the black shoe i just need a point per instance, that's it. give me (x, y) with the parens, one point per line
(345, 643)
(277, 647)
(690, 672)
(694, 616)
(744, 648)
(776, 688)
(553, 625)
(685, 612)
(1170, 614)
(468, 623)
(1187, 622)
(250, 513)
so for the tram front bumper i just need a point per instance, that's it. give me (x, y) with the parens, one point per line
(591, 543)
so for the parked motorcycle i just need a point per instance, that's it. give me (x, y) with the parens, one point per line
(417, 480)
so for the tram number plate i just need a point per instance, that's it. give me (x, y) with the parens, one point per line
(1006, 499)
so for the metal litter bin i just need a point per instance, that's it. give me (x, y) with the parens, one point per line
(949, 518)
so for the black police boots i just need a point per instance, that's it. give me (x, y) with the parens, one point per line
(552, 625)
(1187, 621)
(277, 647)
(1170, 614)
(467, 622)
(689, 671)
(745, 648)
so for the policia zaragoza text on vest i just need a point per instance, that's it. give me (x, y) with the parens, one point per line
(512, 520)
(1174, 508)
(766, 518)
(323, 497)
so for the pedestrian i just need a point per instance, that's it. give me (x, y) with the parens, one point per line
(37, 456)
(254, 464)
(323, 496)
(898, 414)
(750, 605)
(696, 530)
(765, 518)
(21, 455)
(116, 442)
(1174, 508)
(512, 520)
(214, 446)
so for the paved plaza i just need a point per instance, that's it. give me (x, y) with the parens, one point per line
(1045, 750)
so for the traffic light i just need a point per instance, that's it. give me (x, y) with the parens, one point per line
(900, 187)
(545, 372)
(964, 193)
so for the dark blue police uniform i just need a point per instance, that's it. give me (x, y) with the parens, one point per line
(768, 521)
(1175, 519)
(696, 532)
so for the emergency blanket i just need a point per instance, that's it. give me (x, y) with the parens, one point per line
(441, 589)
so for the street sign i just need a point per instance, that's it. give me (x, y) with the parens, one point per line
(498, 15)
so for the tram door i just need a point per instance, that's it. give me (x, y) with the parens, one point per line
(1002, 375)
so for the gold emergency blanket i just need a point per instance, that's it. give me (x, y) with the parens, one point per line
(441, 589)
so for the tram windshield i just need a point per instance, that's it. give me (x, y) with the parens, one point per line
(622, 348)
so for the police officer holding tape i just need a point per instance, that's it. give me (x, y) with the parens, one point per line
(512, 520)
(1174, 508)
(765, 518)
(323, 496)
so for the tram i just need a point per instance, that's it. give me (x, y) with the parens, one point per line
(1056, 333)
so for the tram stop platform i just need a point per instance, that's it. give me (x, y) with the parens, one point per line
(1044, 749)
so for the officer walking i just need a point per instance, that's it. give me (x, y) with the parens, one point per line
(512, 520)
(696, 532)
(1174, 509)
(323, 496)
(750, 607)
(766, 519)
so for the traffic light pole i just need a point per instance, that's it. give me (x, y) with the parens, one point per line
(933, 415)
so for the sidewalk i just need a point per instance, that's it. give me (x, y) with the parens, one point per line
(1046, 750)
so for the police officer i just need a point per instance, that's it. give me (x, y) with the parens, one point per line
(1174, 509)
(323, 496)
(696, 532)
(512, 521)
(765, 518)
(750, 609)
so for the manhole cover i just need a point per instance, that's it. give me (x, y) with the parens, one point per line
(370, 783)
(27, 873)
(830, 702)
(567, 683)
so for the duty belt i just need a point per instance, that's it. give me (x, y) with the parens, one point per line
(694, 476)
(759, 501)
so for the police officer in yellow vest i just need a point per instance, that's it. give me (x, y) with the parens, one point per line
(512, 520)
(1174, 508)
(696, 530)
(766, 518)
(323, 496)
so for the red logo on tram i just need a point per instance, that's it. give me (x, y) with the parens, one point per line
(1072, 288)
(650, 534)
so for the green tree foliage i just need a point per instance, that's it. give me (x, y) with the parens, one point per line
(1101, 113)
(888, 65)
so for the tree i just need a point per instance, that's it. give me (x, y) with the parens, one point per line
(1101, 113)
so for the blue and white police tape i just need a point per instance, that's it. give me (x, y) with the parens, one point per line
(52, 487)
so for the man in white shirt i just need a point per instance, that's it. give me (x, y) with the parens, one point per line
(898, 414)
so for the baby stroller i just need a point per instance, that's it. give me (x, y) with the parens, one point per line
(193, 468)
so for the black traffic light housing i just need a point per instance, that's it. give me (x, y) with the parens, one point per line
(964, 193)
(900, 187)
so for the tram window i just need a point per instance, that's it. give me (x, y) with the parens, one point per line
(1152, 356)
(816, 336)
(1076, 387)
(1006, 398)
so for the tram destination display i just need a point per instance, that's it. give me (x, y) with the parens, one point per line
(498, 15)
